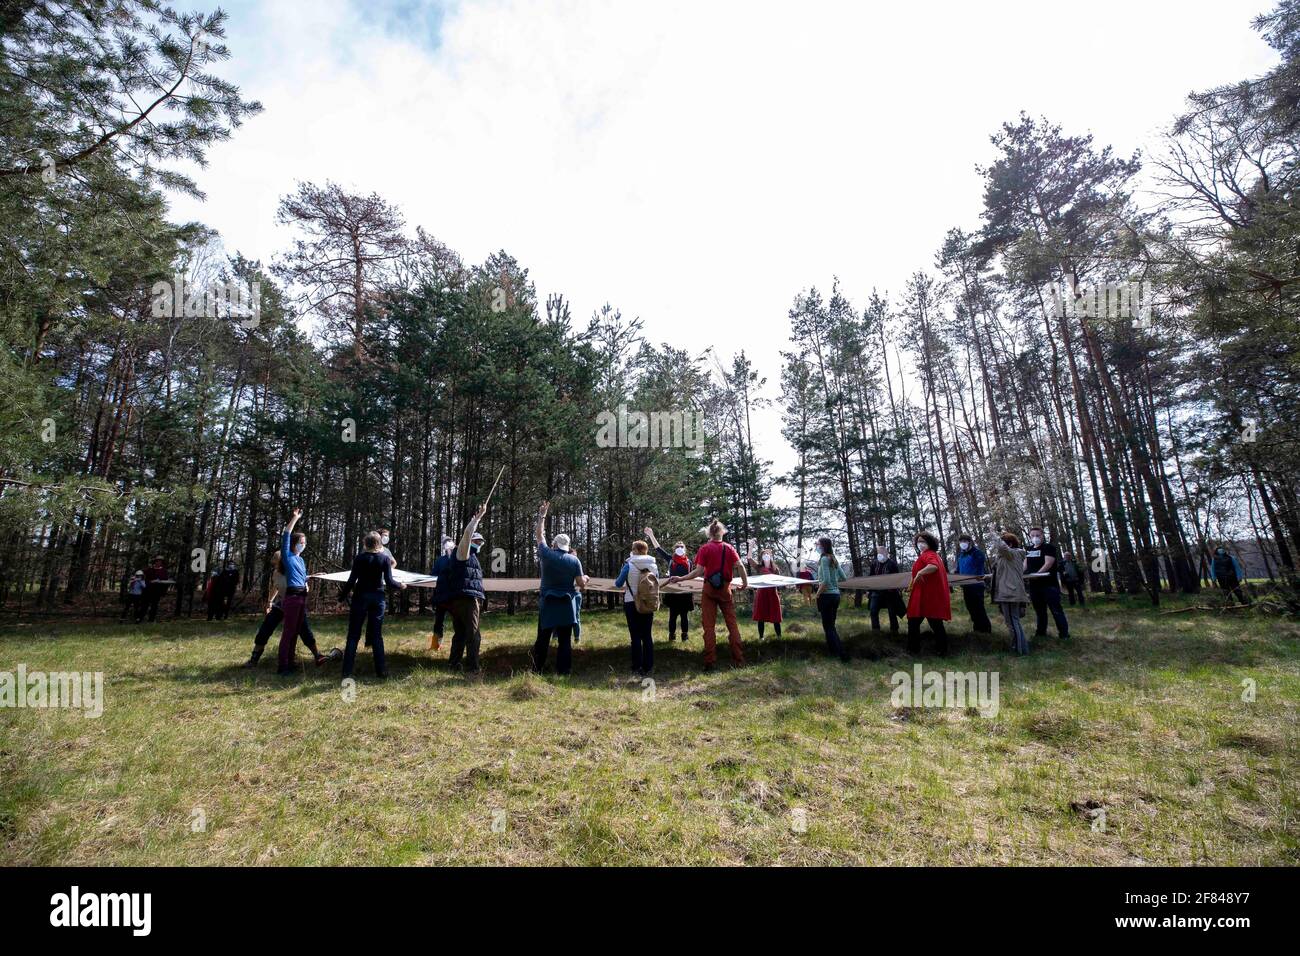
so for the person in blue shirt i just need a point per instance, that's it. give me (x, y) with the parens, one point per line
(970, 560)
(558, 600)
(1225, 570)
(294, 602)
(372, 569)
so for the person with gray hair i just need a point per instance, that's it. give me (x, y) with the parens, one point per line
(558, 599)
(1009, 592)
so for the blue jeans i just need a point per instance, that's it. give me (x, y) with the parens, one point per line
(828, 606)
(1044, 598)
(367, 608)
(1011, 614)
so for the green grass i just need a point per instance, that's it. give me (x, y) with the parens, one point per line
(1140, 715)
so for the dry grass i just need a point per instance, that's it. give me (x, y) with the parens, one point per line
(1140, 716)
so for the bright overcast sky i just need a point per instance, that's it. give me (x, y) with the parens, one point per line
(694, 164)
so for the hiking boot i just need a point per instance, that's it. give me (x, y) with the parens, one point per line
(253, 658)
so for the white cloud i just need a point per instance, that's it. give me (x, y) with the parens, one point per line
(696, 164)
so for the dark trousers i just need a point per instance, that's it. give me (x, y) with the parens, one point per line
(563, 654)
(149, 606)
(1043, 599)
(828, 606)
(914, 634)
(131, 608)
(891, 602)
(272, 621)
(973, 596)
(439, 615)
(219, 606)
(465, 638)
(1233, 587)
(639, 629)
(1074, 589)
(678, 610)
(367, 608)
(776, 626)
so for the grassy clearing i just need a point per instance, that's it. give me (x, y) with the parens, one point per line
(1141, 716)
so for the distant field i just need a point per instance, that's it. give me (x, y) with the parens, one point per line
(795, 759)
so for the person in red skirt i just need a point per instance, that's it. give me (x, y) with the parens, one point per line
(767, 601)
(928, 596)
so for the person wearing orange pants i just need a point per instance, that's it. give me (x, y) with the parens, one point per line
(715, 562)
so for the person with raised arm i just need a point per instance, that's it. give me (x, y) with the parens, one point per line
(372, 570)
(558, 599)
(294, 602)
(275, 614)
(679, 603)
(1009, 592)
(463, 593)
(715, 562)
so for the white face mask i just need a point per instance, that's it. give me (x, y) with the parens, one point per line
(767, 559)
(300, 547)
(383, 539)
(920, 547)
(880, 556)
(965, 545)
(1035, 540)
(679, 551)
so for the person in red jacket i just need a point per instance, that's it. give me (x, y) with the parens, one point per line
(928, 596)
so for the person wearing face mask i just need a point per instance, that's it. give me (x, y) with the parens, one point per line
(928, 597)
(970, 560)
(1226, 572)
(441, 566)
(679, 603)
(463, 593)
(767, 601)
(640, 619)
(1045, 592)
(829, 575)
(294, 603)
(888, 598)
(558, 603)
(275, 615)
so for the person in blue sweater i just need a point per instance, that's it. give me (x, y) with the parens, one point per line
(294, 601)
(559, 600)
(372, 569)
(970, 560)
(440, 566)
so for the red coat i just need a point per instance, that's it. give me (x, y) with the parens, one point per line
(930, 596)
(767, 601)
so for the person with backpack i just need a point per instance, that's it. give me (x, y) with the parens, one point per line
(829, 575)
(558, 600)
(639, 579)
(679, 603)
(715, 562)
(767, 601)
(928, 597)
